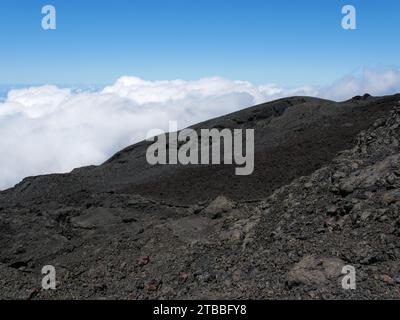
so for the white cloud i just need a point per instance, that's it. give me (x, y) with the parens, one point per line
(373, 81)
(47, 129)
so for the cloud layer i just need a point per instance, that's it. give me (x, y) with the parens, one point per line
(49, 129)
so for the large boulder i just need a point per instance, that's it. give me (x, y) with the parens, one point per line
(314, 271)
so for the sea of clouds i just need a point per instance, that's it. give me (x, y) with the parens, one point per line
(47, 129)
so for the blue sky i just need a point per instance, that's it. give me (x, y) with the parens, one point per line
(74, 96)
(287, 42)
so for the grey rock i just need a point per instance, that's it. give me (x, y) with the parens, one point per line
(313, 271)
(219, 206)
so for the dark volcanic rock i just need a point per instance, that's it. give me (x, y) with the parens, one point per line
(324, 194)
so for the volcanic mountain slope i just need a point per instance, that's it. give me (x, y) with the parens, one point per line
(307, 129)
(324, 194)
